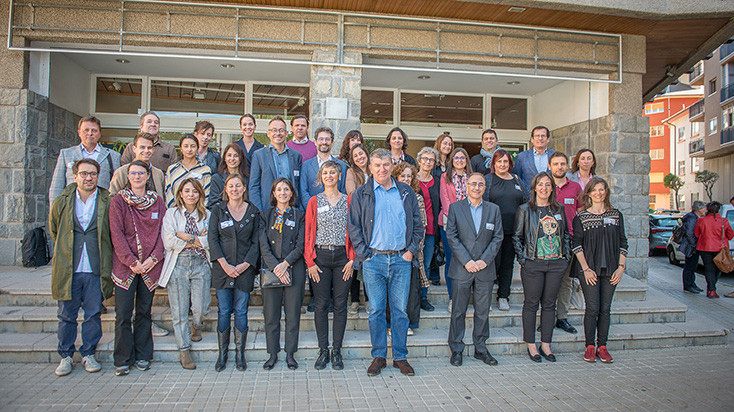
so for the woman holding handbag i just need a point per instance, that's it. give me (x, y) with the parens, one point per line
(329, 256)
(713, 233)
(235, 249)
(283, 273)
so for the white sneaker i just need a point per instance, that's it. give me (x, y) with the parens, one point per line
(65, 366)
(410, 332)
(158, 331)
(504, 304)
(90, 364)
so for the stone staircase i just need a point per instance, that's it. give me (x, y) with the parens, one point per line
(641, 318)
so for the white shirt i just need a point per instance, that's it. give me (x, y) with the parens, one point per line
(84, 213)
(94, 154)
(321, 162)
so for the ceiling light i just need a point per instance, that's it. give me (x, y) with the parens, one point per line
(199, 95)
(424, 77)
(430, 116)
(377, 111)
(117, 86)
(122, 61)
(514, 82)
(516, 9)
(227, 65)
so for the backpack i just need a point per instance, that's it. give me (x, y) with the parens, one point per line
(678, 233)
(34, 247)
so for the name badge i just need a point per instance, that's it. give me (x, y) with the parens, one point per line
(490, 226)
(154, 215)
(569, 201)
(610, 221)
(226, 224)
(296, 172)
(557, 216)
(517, 187)
(290, 223)
(196, 175)
(322, 209)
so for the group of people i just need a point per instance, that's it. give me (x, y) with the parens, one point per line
(277, 215)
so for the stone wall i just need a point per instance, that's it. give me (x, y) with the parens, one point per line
(621, 144)
(32, 132)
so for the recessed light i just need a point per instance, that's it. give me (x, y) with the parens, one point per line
(377, 111)
(514, 82)
(430, 116)
(424, 77)
(516, 9)
(122, 61)
(227, 65)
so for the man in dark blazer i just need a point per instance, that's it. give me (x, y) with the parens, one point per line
(264, 169)
(535, 160)
(474, 231)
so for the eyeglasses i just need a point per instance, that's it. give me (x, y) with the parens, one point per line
(280, 131)
(459, 158)
(137, 173)
(475, 184)
(85, 175)
(427, 159)
(324, 139)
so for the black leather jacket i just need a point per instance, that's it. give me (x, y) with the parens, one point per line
(525, 236)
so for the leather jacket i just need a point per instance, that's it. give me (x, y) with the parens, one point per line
(525, 235)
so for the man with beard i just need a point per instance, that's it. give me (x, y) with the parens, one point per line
(310, 170)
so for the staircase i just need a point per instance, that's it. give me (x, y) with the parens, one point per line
(640, 319)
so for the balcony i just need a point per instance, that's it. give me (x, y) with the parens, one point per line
(696, 148)
(696, 78)
(726, 52)
(695, 111)
(727, 93)
(727, 135)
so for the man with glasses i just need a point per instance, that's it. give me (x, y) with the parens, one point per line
(143, 147)
(89, 131)
(272, 162)
(300, 142)
(535, 160)
(474, 232)
(481, 163)
(164, 155)
(82, 263)
(309, 173)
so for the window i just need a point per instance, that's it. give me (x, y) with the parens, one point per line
(713, 125)
(652, 199)
(657, 177)
(438, 109)
(695, 164)
(657, 154)
(728, 70)
(682, 202)
(270, 100)
(694, 197)
(681, 133)
(681, 167)
(174, 97)
(509, 113)
(652, 108)
(377, 107)
(118, 95)
(727, 120)
(695, 128)
(712, 86)
(656, 131)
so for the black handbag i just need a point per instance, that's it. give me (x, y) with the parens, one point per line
(439, 256)
(268, 279)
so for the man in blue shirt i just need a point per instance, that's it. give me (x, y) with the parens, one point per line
(385, 228)
(534, 160)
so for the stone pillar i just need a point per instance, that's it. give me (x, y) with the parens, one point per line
(336, 94)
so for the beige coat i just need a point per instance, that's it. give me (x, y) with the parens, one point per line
(119, 180)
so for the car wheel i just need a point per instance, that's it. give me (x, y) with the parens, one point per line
(671, 257)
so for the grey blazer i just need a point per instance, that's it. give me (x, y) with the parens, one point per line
(63, 175)
(467, 245)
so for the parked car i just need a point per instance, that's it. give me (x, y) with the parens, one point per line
(661, 229)
(675, 256)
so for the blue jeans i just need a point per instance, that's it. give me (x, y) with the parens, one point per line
(447, 253)
(387, 277)
(232, 300)
(86, 293)
(428, 244)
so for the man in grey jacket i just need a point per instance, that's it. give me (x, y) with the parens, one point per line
(474, 231)
(688, 247)
(89, 131)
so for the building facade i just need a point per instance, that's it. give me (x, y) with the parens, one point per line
(686, 146)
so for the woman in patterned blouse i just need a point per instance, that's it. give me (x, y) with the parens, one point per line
(188, 166)
(329, 256)
(600, 246)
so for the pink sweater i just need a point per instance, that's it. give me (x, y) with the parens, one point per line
(448, 196)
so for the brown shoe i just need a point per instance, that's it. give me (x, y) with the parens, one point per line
(729, 295)
(404, 367)
(186, 361)
(376, 366)
(195, 334)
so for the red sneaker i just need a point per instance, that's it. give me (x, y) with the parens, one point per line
(603, 354)
(589, 355)
(712, 294)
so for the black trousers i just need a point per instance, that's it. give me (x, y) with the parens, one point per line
(461, 293)
(133, 338)
(710, 270)
(356, 288)
(331, 287)
(541, 280)
(413, 309)
(598, 309)
(689, 270)
(290, 299)
(504, 262)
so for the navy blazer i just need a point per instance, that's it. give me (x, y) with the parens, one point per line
(262, 176)
(525, 166)
(309, 175)
(254, 148)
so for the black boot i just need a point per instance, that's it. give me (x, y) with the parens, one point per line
(223, 340)
(240, 341)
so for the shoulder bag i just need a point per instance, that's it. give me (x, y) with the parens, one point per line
(723, 259)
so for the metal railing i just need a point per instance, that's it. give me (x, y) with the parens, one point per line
(697, 71)
(727, 92)
(695, 146)
(695, 109)
(725, 50)
(727, 135)
(444, 47)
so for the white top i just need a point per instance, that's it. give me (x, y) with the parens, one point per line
(84, 213)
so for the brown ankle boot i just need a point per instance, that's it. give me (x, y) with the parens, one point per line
(195, 334)
(186, 361)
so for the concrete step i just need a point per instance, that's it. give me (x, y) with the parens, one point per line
(658, 308)
(695, 331)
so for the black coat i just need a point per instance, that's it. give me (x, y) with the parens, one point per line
(230, 239)
(276, 247)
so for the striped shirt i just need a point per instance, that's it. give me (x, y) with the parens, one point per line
(177, 173)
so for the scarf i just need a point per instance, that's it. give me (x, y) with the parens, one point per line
(191, 229)
(487, 156)
(395, 161)
(460, 185)
(279, 219)
(140, 203)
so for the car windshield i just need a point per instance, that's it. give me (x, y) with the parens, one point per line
(668, 221)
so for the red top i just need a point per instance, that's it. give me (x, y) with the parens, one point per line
(708, 232)
(568, 196)
(309, 252)
(430, 228)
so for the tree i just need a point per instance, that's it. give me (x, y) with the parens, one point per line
(674, 183)
(708, 179)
